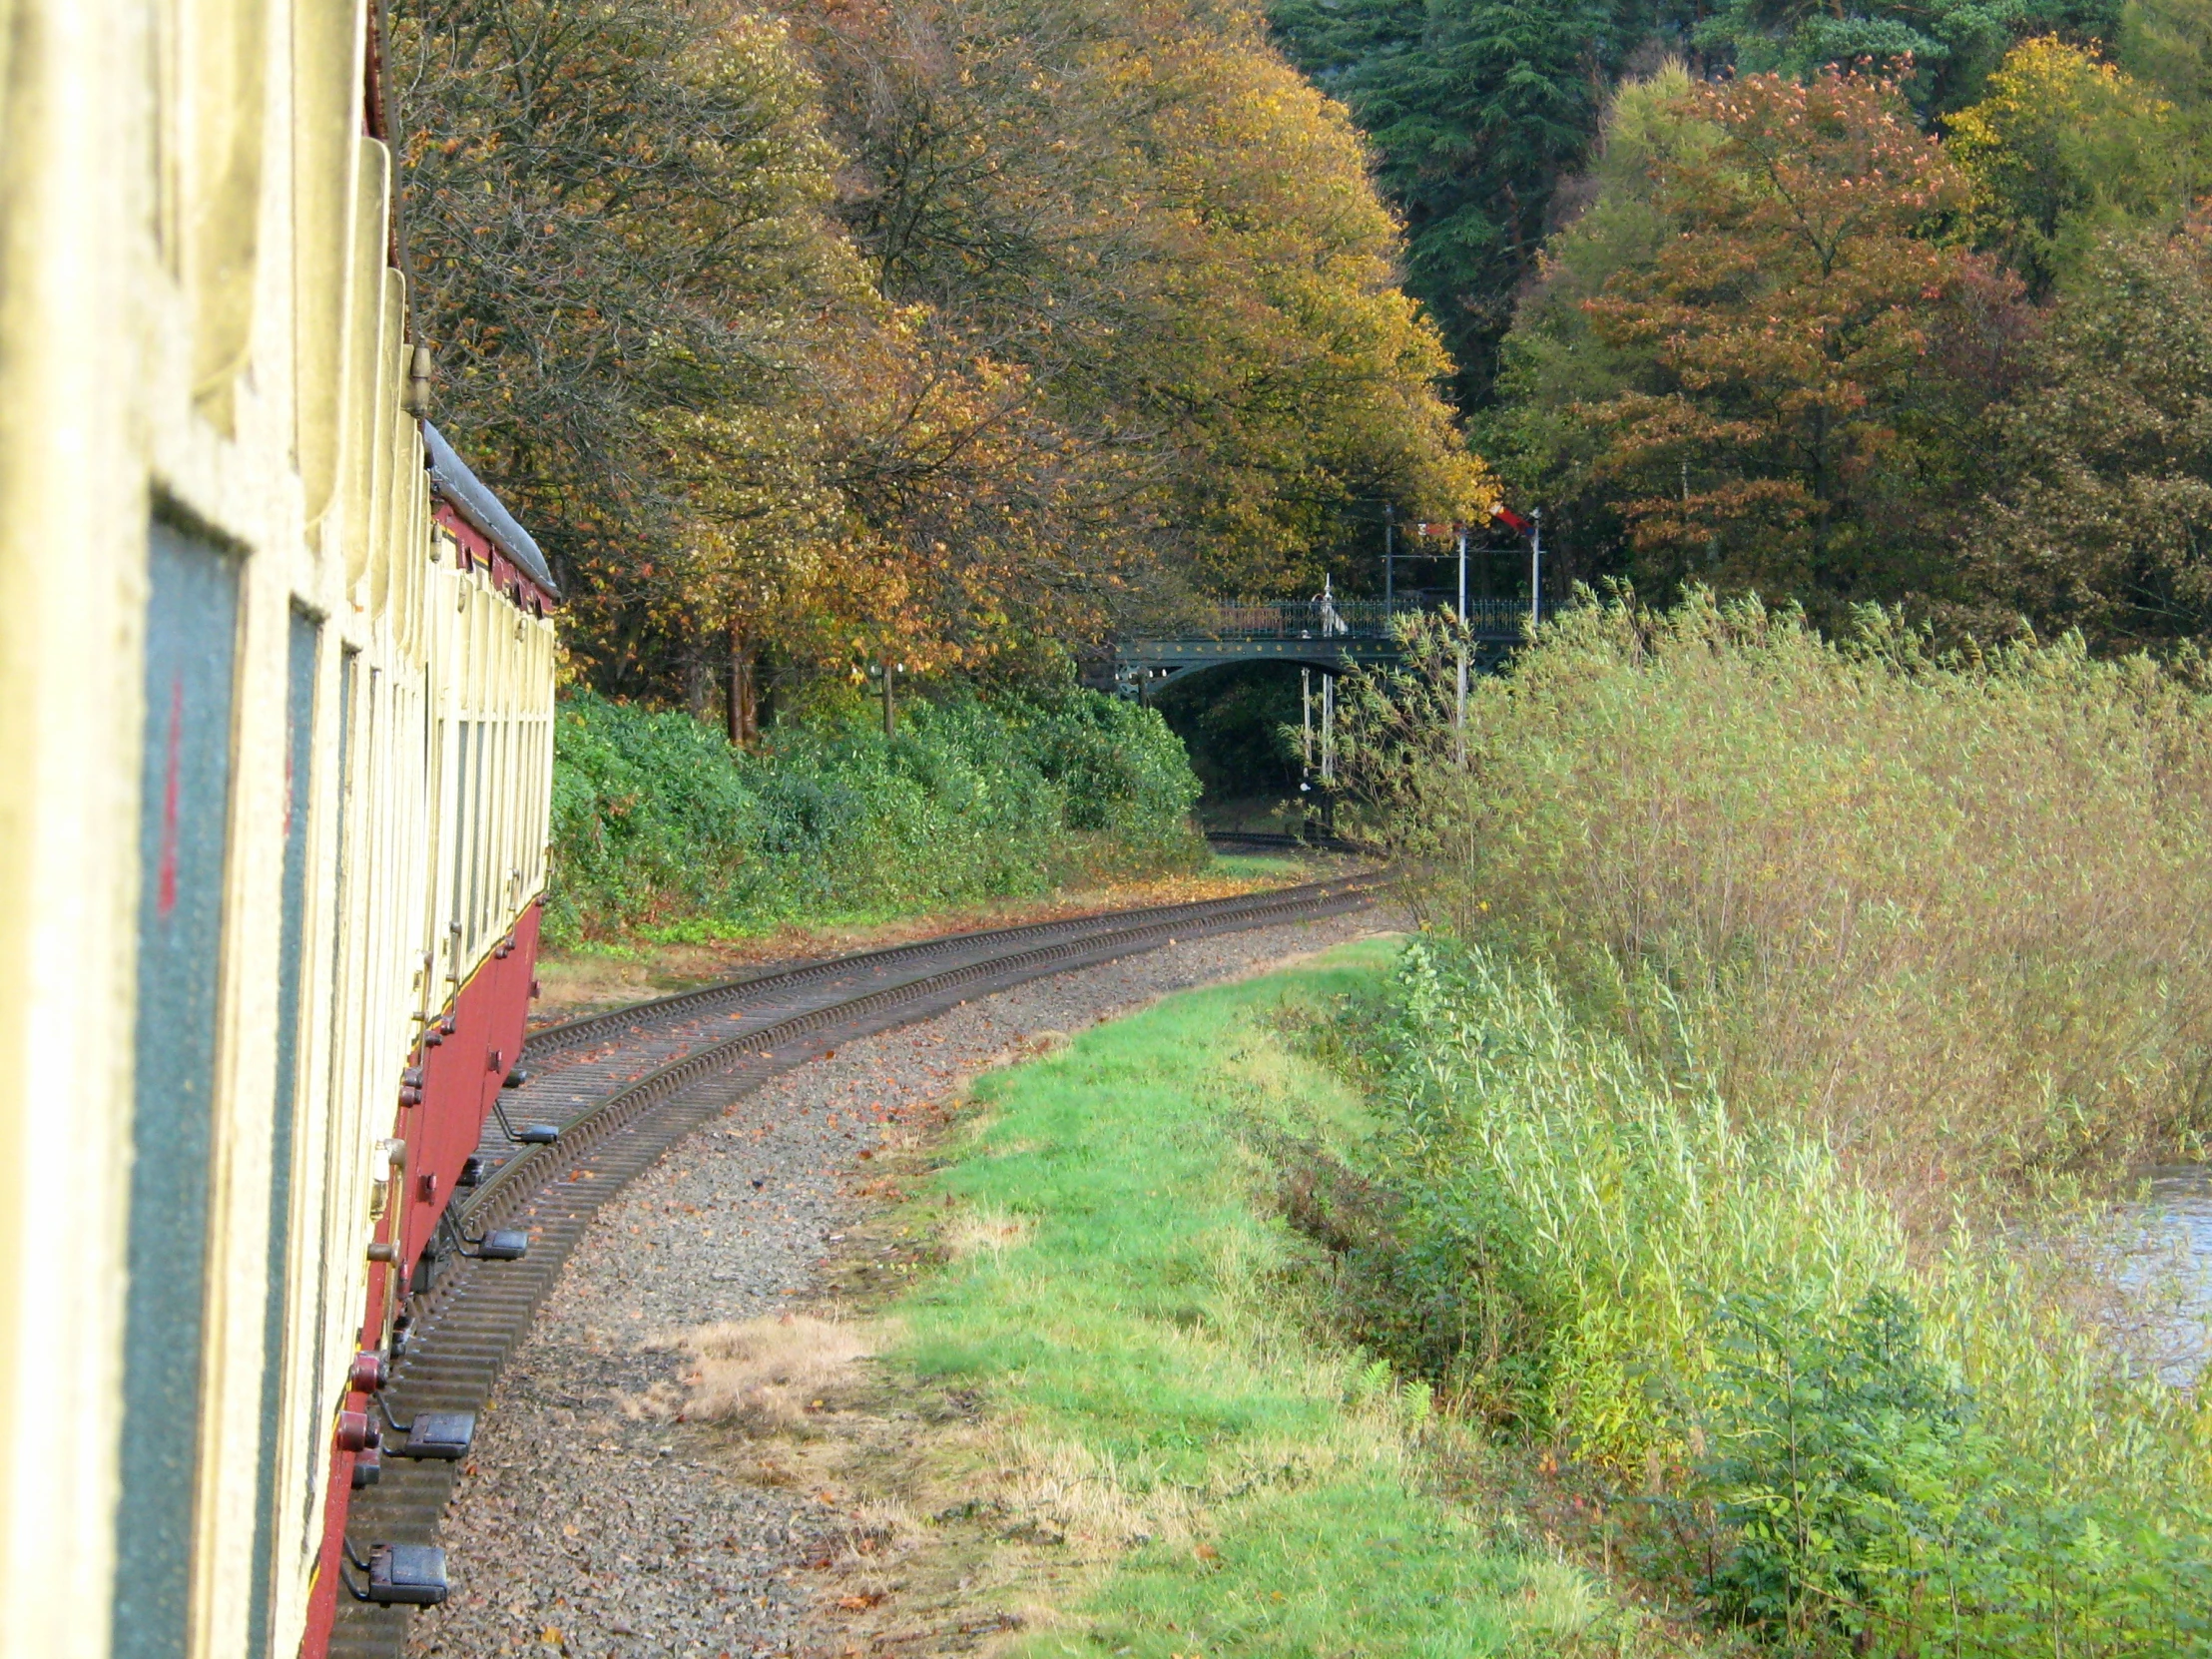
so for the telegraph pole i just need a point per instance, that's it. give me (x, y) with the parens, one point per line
(1459, 705)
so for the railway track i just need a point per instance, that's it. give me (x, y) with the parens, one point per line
(623, 1087)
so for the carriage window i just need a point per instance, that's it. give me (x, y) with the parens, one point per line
(183, 835)
(472, 809)
(342, 896)
(460, 844)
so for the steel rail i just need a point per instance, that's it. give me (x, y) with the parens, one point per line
(473, 1317)
(589, 1028)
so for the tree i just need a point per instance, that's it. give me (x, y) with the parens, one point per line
(1173, 240)
(618, 222)
(2168, 45)
(1820, 353)
(1554, 365)
(1483, 112)
(1099, 305)
(2062, 149)
(1939, 50)
(2105, 522)
(1479, 110)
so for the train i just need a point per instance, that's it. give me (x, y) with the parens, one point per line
(277, 706)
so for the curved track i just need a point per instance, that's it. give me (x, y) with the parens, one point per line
(623, 1087)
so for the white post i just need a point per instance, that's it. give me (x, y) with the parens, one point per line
(1329, 729)
(1389, 570)
(1463, 575)
(1537, 568)
(1459, 711)
(1306, 716)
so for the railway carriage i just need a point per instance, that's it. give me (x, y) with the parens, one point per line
(275, 702)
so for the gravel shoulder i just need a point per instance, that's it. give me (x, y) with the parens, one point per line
(592, 1521)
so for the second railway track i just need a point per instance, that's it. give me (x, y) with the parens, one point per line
(623, 1087)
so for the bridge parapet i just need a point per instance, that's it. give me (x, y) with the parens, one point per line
(1330, 634)
(1308, 619)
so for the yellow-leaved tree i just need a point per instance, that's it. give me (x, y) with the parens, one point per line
(909, 331)
(2064, 149)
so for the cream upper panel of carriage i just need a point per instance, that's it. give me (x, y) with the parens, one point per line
(491, 649)
(270, 329)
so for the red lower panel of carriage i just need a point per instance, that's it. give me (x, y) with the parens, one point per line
(447, 1093)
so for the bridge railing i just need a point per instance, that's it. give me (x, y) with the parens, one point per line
(1344, 618)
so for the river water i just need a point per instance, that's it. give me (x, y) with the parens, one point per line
(2162, 1261)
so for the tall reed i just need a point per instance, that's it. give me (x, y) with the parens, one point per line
(1887, 1452)
(1953, 917)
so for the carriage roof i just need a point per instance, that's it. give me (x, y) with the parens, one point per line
(474, 501)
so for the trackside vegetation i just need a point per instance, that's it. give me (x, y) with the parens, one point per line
(1128, 1299)
(1950, 915)
(1806, 1426)
(664, 831)
(1775, 994)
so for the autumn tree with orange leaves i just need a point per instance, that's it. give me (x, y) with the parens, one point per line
(910, 330)
(1818, 350)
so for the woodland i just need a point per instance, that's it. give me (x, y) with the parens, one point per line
(930, 335)
(960, 332)
(1902, 305)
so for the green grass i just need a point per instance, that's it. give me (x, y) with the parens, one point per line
(1260, 867)
(1145, 1347)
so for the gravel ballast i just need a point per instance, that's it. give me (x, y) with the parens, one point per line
(589, 1522)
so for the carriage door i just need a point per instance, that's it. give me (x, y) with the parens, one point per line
(184, 809)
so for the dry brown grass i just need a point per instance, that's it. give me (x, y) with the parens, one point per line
(972, 1232)
(770, 1374)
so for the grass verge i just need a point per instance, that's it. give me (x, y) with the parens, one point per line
(1109, 1425)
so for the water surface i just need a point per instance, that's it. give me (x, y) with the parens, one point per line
(2162, 1261)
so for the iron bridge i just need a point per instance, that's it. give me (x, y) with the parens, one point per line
(1328, 634)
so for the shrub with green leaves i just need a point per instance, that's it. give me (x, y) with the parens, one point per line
(661, 827)
(1895, 1453)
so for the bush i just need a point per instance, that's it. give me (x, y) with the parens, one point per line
(659, 826)
(1954, 917)
(1900, 1455)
